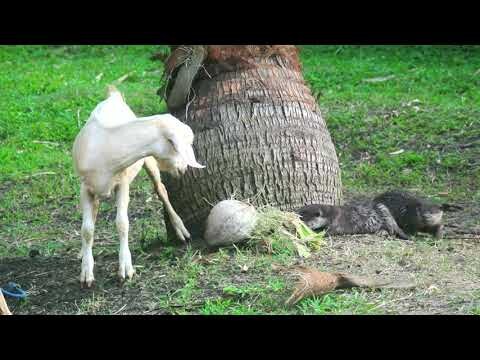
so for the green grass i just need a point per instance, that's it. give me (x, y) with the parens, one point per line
(338, 304)
(428, 109)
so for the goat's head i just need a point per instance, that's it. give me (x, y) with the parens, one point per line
(177, 154)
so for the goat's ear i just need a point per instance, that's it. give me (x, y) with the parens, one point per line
(185, 150)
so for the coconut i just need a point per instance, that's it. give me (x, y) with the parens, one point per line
(229, 222)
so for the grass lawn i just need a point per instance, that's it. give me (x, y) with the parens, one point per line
(400, 116)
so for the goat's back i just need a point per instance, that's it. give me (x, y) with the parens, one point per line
(112, 111)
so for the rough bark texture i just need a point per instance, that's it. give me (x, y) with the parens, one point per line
(258, 130)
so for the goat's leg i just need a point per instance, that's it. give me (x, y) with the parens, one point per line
(95, 206)
(89, 205)
(125, 258)
(154, 173)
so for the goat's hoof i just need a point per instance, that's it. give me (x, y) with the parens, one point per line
(181, 238)
(86, 277)
(126, 272)
(86, 283)
(184, 237)
(182, 232)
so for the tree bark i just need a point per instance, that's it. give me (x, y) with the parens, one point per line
(258, 130)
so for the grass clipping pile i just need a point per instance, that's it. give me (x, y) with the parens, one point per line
(278, 232)
(269, 229)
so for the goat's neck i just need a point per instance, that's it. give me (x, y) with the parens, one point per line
(132, 142)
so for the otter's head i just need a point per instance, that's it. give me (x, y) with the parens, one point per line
(431, 214)
(316, 216)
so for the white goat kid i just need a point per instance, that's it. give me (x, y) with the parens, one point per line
(109, 152)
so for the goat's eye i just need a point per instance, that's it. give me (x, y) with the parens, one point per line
(171, 143)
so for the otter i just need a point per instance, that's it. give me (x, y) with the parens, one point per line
(412, 213)
(354, 218)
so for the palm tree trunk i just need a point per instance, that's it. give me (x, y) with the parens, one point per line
(258, 130)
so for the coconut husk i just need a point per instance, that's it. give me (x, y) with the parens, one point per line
(181, 68)
(183, 65)
(315, 283)
(4, 310)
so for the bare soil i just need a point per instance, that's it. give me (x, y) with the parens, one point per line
(446, 272)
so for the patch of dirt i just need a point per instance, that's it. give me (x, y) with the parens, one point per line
(446, 273)
(53, 287)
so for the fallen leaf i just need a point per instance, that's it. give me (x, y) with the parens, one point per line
(302, 250)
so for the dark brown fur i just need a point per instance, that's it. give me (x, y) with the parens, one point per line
(412, 213)
(360, 218)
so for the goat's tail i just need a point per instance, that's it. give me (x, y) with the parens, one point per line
(112, 89)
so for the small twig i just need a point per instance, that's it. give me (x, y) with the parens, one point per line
(28, 273)
(379, 79)
(204, 69)
(189, 102)
(46, 272)
(209, 203)
(40, 174)
(119, 310)
(397, 152)
(187, 306)
(465, 146)
(123, 78)
(78, 308)
(46, 142)
(78, 118)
